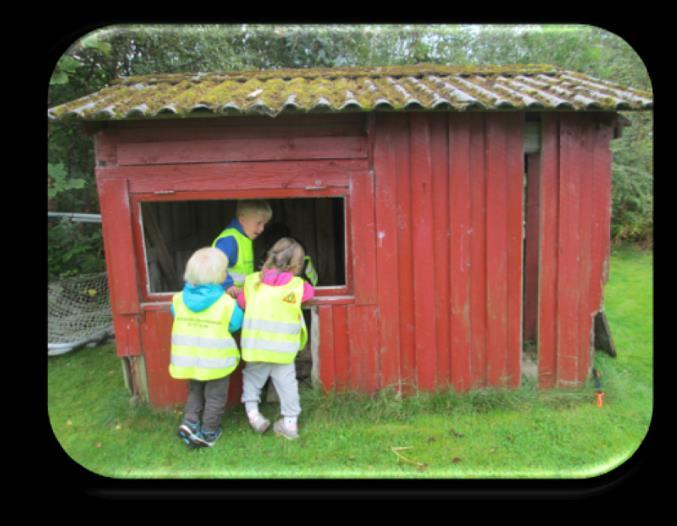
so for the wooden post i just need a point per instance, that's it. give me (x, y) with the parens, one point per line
(315, 346)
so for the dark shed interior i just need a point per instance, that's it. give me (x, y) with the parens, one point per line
(173, 230)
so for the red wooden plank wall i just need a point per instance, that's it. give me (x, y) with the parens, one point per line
(218, 150)
(477, 265)
(436, 229)
(163, 389)
(449, 237)
(575, 169)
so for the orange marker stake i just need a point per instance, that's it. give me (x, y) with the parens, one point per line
(598, 386)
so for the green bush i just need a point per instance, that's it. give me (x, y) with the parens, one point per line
(632, 205)
(632, 184)
(74, 249)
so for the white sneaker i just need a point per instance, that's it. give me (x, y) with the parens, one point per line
(258, 422)
(286, 430)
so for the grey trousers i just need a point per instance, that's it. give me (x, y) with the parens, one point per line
(254, 377)
(210, 396)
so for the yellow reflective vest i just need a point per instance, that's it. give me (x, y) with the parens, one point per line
(202, 348)
(273, 330)
(245, 255)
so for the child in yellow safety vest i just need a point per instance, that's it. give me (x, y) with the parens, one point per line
(273, 331)
(278, 230)
(203, 350)
(235, 241)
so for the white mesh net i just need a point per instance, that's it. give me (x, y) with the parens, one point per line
(78, 312)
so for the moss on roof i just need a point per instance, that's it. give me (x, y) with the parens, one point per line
(331, 73)
(334, 89)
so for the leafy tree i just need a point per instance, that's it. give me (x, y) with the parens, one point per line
(58, 182)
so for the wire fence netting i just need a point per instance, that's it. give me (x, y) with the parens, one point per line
(79, 312)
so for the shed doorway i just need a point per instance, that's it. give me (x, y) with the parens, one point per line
(530, 240)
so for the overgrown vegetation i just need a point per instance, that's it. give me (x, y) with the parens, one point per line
(100, 57)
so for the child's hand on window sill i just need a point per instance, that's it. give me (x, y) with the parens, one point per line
(233, 291)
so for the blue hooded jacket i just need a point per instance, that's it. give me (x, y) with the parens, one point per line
(199, 297)
(229, 247)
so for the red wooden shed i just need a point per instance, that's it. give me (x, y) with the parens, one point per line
(458, 216)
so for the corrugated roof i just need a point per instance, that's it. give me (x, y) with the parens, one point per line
(400, 88)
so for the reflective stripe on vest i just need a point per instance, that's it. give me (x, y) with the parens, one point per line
(273, 330)
(245, 255)
(203, 363)
(203, 341)
(201, 346)
(272, 326)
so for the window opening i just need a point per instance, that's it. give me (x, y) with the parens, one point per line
(173, 230)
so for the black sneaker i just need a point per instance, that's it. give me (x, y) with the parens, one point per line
(188, 431)
(206, 438)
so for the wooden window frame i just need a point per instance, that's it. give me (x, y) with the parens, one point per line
(323, 295)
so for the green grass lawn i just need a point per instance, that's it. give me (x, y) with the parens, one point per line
(522, 433)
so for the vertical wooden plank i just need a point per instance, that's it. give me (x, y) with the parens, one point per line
(314, 344)
(478, 240)
(327, 347)
(363, 340)
(156, 332)
(340, 217)
(601, 196)
(323, 250)
(363, 233)
(163, 245)
(531, 249)
(568, 286)
(548, 253)
(585, 220)
(123, 280)
(422, 238)
(341, 347)
(496, 251)
(363, 320)
(460, 254)
(514, 128)
(116, 223)
(405, 255)
(603, 164)
(441, 242)
(127, 334)
(387, 128)
(310, 223)
(596, 183)
(292, 219)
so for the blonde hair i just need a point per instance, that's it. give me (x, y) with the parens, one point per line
(206, 265)
(254, 206)
(286, 255)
